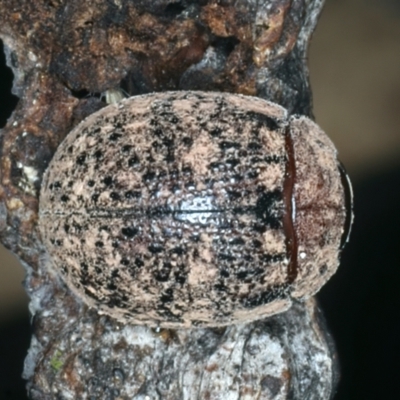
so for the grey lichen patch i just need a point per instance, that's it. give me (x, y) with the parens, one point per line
(186, 209)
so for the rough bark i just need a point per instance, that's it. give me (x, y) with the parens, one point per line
(65, 55)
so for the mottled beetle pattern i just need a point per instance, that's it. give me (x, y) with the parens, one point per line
(182, 209)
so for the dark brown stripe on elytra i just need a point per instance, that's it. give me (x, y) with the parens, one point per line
(288, 223)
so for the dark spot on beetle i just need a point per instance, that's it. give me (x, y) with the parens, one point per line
(237, 242)
(216, 132)
(266, 209)
(178, 250)
(149, 176)
(133, 161)
(274, 159)
(124, 261)
(58, 242)
(162, 173)
(195, 253)
(111, 286)
(260, 189)
(131, 194)
(187, 141)
(108, 180)
(162, 275)
(180, 277)
(175, 187)
(256, 160)
(229, 145)
(77, 227)
(168, 142)
(99, 244)
(91, 183)
(195, 238)
(155, 248)
(114, 136)
(84, 267)
(113, 301)
(248, 258)
(170, 157)
(115, 244)
(256, 243)
(254, 146)
(267, 296)
(272, 258)
(263, 120)
(237, 177)
(190, 185)
(95, 197)
(80, 160)
(138, 262)
(186, 170)
(129, 232)
(98, 269)
(252, 174)
(220, 287)
(234, 195)
(66, 228)
(126, 148)
(224, 273)
(156, 145)
(115, 273)
(323, 269)
(214, 165)
(226, 257)
(70, 149)
(158, 132)
(241, 275)
(98, 154)
(114, 196)
(57, 185)
(174, 173)
(64, 198)
(233, 162)
(167, 296)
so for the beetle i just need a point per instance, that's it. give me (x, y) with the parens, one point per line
(182, 209)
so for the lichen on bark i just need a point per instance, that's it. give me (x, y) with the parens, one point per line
(65, 55)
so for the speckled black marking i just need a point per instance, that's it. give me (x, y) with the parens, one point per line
(115, 196)
(108, 180)
(129, 232)
(98, 155)
(80, 160)
(267, 210)
(265, 297)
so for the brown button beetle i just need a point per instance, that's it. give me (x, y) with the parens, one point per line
(191, 208)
